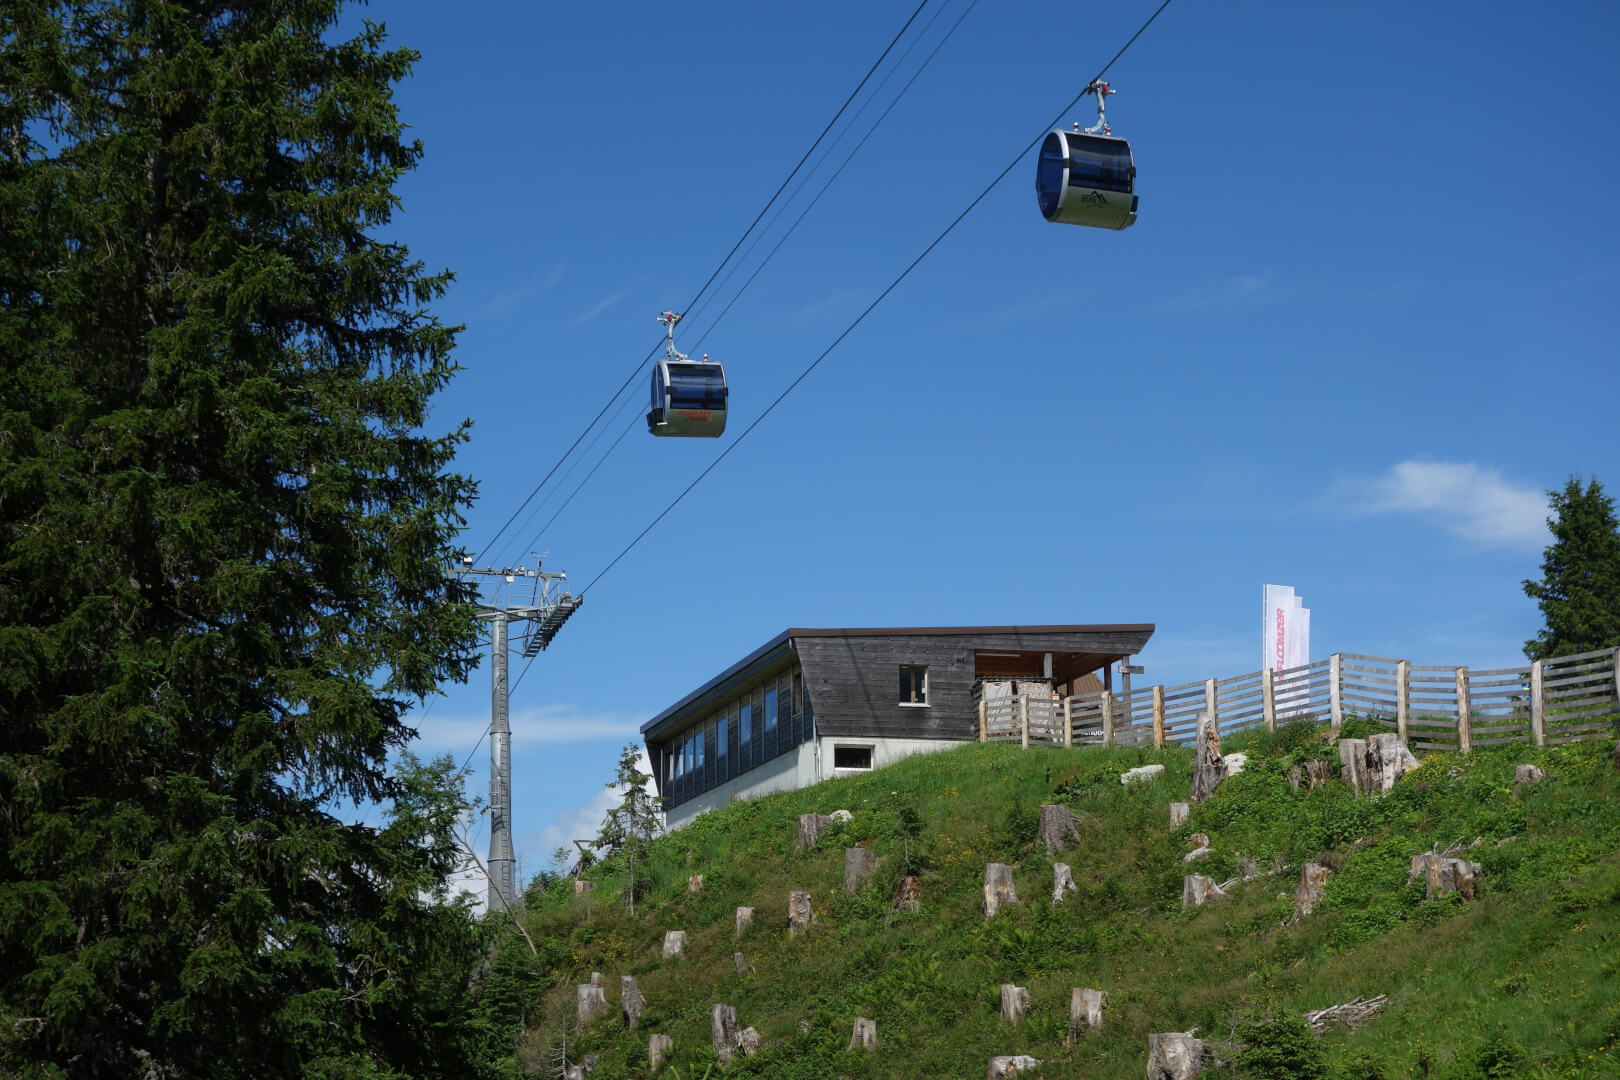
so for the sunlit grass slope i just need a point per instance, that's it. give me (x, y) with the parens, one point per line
(1524, 981)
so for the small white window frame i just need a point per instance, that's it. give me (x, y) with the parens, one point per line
(924, 703)
(870, 748)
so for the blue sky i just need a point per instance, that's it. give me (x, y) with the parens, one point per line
(1367, 316)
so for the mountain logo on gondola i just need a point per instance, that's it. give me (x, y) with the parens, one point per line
(1093, 198)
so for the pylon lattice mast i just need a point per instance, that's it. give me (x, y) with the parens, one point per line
(533, 599)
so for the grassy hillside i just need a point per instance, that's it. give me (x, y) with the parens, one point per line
(1523, 981)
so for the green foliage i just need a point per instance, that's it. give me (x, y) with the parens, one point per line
(222, 538)
(1579, 590)
(1279, 1045)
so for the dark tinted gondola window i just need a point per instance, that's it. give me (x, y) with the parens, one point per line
(696, 387)
(1099, 163)
(1049, 174)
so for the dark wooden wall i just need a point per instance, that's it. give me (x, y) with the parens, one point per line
(855, 681)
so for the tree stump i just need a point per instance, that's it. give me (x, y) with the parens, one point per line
(1232, 764)
(659, 1047)
(581, 886)
(573, 1072)
(596, 978)
(674, 944)
(1008, 1065)
(1530, 774)
(1196, 890)
(998, 888)
(1388, 759)
(1085, 1007)
(740, 961)
(592, 1003)
(909, 898)
(1142, 774)
(630, 1000)
(723, 1032)
(1199, 839)
(859, 863)
(587, 1064)
(694, 883)
(1312, 880)
(1443, 875)
(1176, 1055)
(800, 912)
(810, 827)
(1208, 769)
(749, 1042)
(1059, 829)
(1179, 812)
(1353, 763)
(865, 1035)
(1014, 1003)
(745, 919)
(1062, 882)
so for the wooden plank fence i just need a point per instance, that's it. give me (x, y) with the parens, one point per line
(1435, 707)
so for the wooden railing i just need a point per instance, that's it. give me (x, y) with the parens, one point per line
(1545, 703)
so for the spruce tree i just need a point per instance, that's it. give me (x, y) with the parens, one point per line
(222, 532)
(628, 827)
(1579, 590)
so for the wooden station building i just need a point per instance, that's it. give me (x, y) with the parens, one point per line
(811, 704)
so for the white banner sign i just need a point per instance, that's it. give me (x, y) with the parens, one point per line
(1285, 633)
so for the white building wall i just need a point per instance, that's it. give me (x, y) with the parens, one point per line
(804, 765)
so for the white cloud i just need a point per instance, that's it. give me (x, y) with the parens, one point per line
(538, 724)
(1219, 292)
(581, 823)
(1466, 498)
(600, 306)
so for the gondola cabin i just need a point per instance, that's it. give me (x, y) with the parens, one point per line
(1086, 179)
(688, 399)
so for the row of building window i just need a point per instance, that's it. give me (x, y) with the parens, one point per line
(754, 713)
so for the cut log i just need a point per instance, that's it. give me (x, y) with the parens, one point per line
(749, 1042)
(694, 883)
(573, 1072)
(800, 911)
(1353, 763)
(723, 1032)
(631, 1003)
(1208, 768)
(843, 817)
(1318, 772)
(998, 888)
(1085, 1010)
(1178, 813)
(1200, 852)
(1062, 882)
(1530, 774)
(674, 944)
(1142, 774)
(811, 826)
(592, 1003)
(1312, 880)
(659, 1047)
(1234, 763)
(1014, 1003)
(740, 961)
(587, 1064)
(909, 898)
(1008, 1065)
(745, 919)
(859, 863)
(864, 1036)
(1196, 890)
(1059, 829)
(1388, 759)
(1352, 1014)
(1443, 875)
(1176, 1055)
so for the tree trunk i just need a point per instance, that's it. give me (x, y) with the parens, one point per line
(1388, 759)
(1176, 1055)
(1014, 1003)
(1312, 880)
(745, 919)
(1353, 763)
(674, 944)
(1009, 1065)
(1059, 828)
(810, 827)
(865, 1035)
(740, 962)
(630, 1000)
(659, 1047)
(1443, 875)
(910, 896)
(998, 888)
(723, 1032)
(1062, 882)
(592, 1003)
(1530, 774)
(1208, 769)
(1179, 812)
(1085, 1007)
(1196, 890)
(800, 911)
(859, 863)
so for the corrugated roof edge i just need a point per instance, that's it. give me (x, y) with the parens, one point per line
(782, 640)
